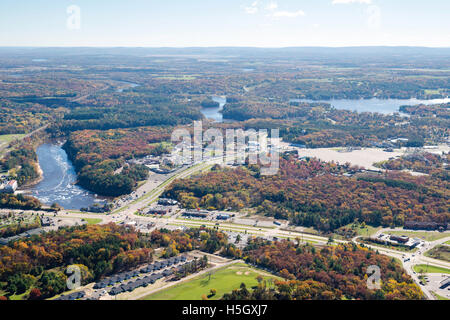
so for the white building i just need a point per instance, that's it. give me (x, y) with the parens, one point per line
(9, 187)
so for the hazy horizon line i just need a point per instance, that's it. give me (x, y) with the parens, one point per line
(249, 47)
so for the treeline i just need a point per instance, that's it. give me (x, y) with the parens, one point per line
(102, 179)
(316, 194)
(335, 128)
(51, 102)
(248, 109)
(423, 162)
(438, 110)
(175, 242)
(19, 201)
(125, 116)
(21, 118)
(330, 273)
(37, 264)
(209, 103)
(191, 268)
(40, 260)
(99, 157)
(18, 228)
(22, 161)
(351, 85)
(318, 125)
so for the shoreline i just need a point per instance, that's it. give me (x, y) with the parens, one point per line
(25, 189)
(38, 168)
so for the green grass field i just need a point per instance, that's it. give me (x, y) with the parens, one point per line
(365, 231)
(439, 297)
(21, 296)
(223, 280)
(439, 252)
(426, 235)
(430, 269)
(7, 138)
(92, 220)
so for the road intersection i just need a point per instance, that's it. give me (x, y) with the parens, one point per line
(153, 188)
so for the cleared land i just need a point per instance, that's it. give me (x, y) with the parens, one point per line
(7, 138)
(438, 297)
(362, 231)
(439, 252)
(92, 220)
(224, 280)
(425, 235)
(365, 157)
(423, 268)
(367, 230)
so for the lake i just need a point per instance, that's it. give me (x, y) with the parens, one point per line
(128, 85)
(214, 113)
(385, 106)
(58, 183)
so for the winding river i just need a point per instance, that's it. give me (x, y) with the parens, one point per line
(215, 113)
(58, 182)
(59, 176)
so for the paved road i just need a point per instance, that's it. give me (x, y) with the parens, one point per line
(410, 259)
(154, 189)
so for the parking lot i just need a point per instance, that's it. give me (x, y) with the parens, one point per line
(434, 283)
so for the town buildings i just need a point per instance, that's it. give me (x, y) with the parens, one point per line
(8, 186)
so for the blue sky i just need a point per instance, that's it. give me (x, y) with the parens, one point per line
(262, 23)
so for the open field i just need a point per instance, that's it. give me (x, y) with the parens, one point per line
(360, 231)
(438, 297)
(430, 269)
(223, 280)
(439, 252)
(92, 220)
(367, 230)
(425, 235)
(365, 157)
(7, 138)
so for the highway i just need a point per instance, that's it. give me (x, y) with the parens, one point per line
(150, 191)
(410, 259)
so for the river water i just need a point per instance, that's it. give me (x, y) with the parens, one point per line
(214, 113)
(58, 183)
(127, 84)
(59, 176)
(385, 106)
